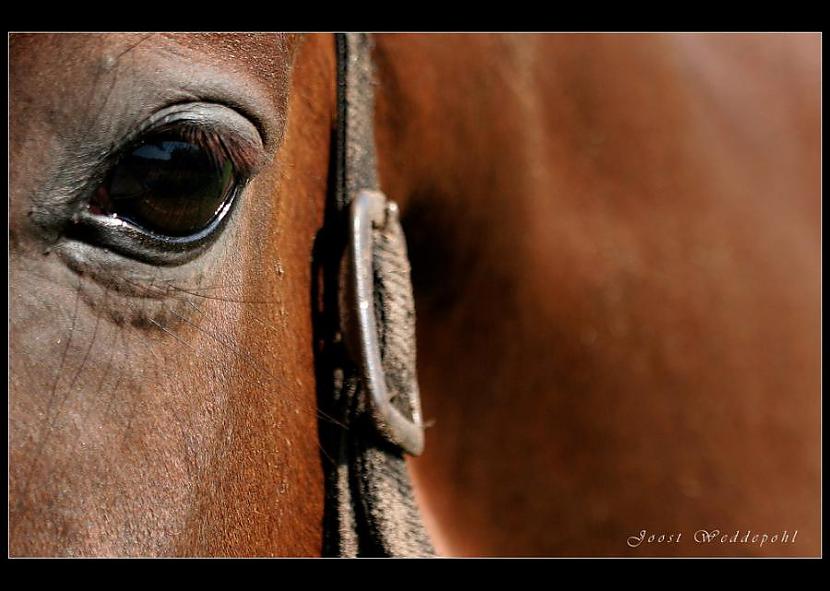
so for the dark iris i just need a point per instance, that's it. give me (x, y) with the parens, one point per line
(167, 185)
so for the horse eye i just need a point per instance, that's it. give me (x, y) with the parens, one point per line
(168, 185)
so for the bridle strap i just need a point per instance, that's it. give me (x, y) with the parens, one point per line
(370, 355)
(356, 163)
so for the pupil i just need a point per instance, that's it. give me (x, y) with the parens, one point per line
(167, 185)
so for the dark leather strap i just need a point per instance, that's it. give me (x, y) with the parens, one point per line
(371, 413)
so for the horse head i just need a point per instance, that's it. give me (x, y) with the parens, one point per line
(614, 249)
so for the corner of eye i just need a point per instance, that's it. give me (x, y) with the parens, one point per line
(251, 160)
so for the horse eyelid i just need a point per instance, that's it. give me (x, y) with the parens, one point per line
(220, 141)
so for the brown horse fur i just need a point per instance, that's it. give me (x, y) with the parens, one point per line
(614, 242)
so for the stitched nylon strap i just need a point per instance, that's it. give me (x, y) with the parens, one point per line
(370, 507)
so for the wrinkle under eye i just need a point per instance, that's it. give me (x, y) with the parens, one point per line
(173, 183)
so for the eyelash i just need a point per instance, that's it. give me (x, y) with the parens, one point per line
(120, 234)
(210, 140)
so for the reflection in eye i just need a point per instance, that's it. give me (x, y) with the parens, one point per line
(173, 183)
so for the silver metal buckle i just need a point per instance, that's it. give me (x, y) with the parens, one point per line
(368, 209)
